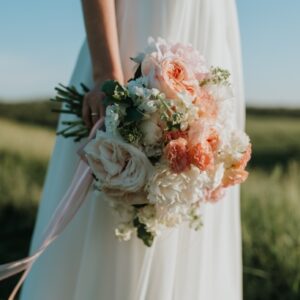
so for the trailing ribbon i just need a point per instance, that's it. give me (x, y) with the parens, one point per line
(63, 214)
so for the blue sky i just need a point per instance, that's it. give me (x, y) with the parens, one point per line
(41, 39)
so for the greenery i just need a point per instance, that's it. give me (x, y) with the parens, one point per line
(71, 101)
(270, 205)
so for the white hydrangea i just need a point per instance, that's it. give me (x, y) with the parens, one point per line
(167, 188)
(171, 215)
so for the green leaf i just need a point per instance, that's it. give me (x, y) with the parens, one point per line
(109, 86)
(72, 100)
(84, 87)
(142, 233)
(133, 115)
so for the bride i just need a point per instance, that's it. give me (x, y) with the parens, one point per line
(87, 262)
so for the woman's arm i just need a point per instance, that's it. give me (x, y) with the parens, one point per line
(102, 35)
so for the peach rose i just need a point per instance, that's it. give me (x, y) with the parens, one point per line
(176, 153)
(207, 105)
(171, 76)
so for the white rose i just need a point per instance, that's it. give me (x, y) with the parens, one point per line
(151, 131)
(119, 167)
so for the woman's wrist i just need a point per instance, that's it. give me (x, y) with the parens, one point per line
(99, 79)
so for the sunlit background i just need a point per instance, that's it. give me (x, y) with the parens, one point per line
(39, 44)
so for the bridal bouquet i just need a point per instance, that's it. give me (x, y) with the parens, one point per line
(169, 143)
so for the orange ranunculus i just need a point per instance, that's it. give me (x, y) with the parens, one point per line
(176, 153)
(242, 163)
(234, 176)
(201, 156)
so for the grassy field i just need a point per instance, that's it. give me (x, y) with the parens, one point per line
(270, 203)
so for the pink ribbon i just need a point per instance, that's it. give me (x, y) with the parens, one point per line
(63, 214)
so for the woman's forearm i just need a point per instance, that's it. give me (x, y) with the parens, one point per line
(102, 35)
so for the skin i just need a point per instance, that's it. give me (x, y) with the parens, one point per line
(102, 37)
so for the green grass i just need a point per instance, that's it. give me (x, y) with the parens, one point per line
(34, 112)
(28, 141)
(270, 205)
(275, 139)
(24, 154)
(270, 210)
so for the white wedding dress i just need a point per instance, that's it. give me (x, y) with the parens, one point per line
(87, 262)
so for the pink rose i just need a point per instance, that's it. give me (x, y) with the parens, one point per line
(207, 105)
(171, 76)
(192, 58)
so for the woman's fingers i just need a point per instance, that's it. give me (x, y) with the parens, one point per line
(95, 112)
(96, 107)
(93, 108)
(86, 112)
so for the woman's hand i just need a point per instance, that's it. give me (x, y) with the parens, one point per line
(93, 108)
